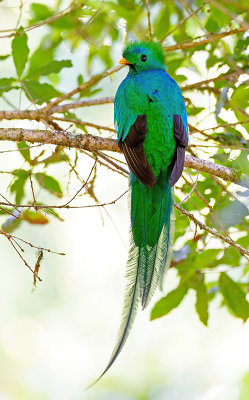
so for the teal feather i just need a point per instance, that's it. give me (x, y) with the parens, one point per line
(148, 90)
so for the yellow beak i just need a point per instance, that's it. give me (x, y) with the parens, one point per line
(124, 62)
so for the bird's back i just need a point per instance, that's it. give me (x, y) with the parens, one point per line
(155, 94)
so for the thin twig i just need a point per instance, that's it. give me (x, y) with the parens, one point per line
(109, 160)
(184, 20)
(31, 244)
(231, 15)
(82, 187)
(241, 249)
(196, 42)
(221, 77)
(82, 123)
(239, 5)
(84, 86)
(148, 17)
(46, 21)
(222, 146)
(66, 207)
(32, 189)
(191, 191)
(81, 103)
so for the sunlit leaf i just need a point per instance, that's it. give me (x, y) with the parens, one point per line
(18, 185)
(24, 150)
(4, 57)
(13, 222)
(20, 51)
(35, 218)
(169, 302)
(40, 92)
(40, 12)
(202, 301)
(52, 67)
(234, 296)
(7, 84)
(49, 183)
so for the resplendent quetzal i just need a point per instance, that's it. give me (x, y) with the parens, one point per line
(151, 122)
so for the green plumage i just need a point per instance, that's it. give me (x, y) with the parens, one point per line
(146, 104)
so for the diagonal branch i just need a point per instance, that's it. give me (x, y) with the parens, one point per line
(198, 42)
(148, 17)
(213, 232)
(184, 20)
(97, 143)
(84, 86)
(55, 107)
(48, 20)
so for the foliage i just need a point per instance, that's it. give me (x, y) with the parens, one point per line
(217, 105)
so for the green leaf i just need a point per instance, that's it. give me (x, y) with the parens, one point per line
(20, 51)
(6, 84)
(56, 156)
(40, 92)
(167, 303)
(231, 257)
(12, 222)
(39, 12)
(18, 185)
(194, 110)
(4, 57)
(54, 213)
(234, 297)
(35, 218)
(230, 213)
(202, 301)
(24, 150)
(240, 97)
(51, 67)
(212, 25)
(49, 183)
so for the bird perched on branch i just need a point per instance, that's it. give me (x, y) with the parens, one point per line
(151, 122)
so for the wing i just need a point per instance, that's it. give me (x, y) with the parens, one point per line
(133, 149)
(181, 138)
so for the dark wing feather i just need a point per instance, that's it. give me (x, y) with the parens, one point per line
(133, 150)
(181, 144)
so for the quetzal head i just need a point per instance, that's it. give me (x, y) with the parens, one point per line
(143, 56)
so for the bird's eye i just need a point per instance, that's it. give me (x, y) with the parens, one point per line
(143, 57)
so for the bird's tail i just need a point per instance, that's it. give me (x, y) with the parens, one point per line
(152, 220)
(152, 231)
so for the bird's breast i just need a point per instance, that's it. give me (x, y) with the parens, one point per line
(159, 142)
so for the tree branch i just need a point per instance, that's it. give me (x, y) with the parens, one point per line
(148, 17)
(241, 249)
(97, 143)
(218, 78)
(84, 86)
(54, 107)
(48, 20)
(198, 42)
(180, 23)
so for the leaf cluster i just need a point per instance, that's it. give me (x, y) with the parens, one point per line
(212, 76)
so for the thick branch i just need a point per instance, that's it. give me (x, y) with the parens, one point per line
(228, 174)
(93, 143)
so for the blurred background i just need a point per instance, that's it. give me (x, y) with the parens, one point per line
(57, 337)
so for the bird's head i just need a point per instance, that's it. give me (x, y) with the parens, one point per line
(143, 56)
